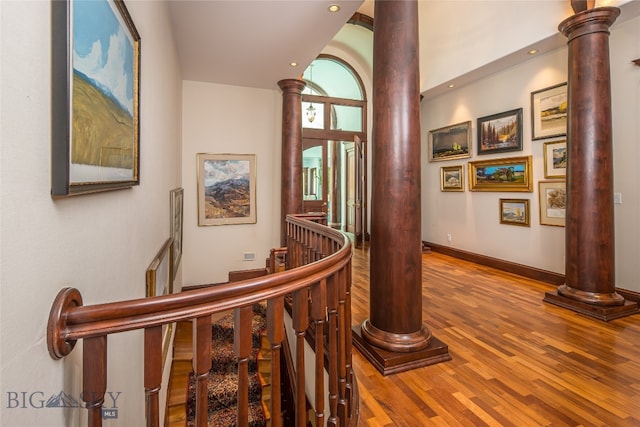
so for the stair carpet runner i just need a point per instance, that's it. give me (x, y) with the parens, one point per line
(223, 377)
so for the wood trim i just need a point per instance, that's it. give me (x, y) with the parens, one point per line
(546, 276)
(510, 267)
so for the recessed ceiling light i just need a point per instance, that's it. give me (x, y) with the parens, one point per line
(533, 51)
(293, 64)
(452, 85)
(334, 8)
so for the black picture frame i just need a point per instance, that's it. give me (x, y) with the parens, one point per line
(500, 133)
(95, 117)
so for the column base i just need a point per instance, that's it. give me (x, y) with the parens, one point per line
(601, 312)
(390, 362)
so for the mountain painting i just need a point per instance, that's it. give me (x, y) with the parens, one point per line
(226, 189)
(103, 110)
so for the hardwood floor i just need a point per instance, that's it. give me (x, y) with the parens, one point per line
(517, 361)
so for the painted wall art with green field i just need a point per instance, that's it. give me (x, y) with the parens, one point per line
(95, 115)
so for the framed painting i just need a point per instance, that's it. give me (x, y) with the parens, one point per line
(553, 202)
(514, 212)
(159, 281)
(95, 97)
(501, 132)
(549, 112)
(176, 221)
(555, 159)
(506, 174)
(451, 178)
(226, 189)
(450, 142)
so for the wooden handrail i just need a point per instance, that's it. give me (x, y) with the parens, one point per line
(318, 265)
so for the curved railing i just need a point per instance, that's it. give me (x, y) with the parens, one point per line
(317, 281)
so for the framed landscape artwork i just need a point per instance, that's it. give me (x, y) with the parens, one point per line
(450, 142)
(501, 132)
(549, 112)
(555, 159)
(159, 281)
(553, 202)
(514, 212)
(176, 221)
(506, 174)
(226, 189)
(95, 97)
(451, 178)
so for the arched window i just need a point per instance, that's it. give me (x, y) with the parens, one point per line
(334, 98)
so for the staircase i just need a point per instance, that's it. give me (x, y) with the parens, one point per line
(316, 284)
(180, 405)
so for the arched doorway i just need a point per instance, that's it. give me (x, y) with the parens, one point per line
(334, 139)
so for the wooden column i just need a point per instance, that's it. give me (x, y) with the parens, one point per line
(291, 197)
(589, 285)
(394, 337)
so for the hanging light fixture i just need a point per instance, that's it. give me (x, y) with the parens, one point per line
(311, 110)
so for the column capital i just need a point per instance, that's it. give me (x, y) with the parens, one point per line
(589, 21)
(292, 85)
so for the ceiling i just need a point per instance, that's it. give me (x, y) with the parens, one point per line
(253, 42)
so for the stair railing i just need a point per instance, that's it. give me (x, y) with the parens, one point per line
(318, 276)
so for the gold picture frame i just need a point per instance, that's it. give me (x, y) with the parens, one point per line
(159, 281)
(226, 189)
(505, 174)
(452, 178)
(553, 200)
(515, 212)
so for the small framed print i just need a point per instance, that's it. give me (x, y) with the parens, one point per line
(514, 212)
(507, 174)
(553, 202)
(451, 178)
(549, 112)
(555, 159)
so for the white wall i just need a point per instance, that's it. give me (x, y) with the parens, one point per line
(100, 244)
(221, 119)
(472, 217)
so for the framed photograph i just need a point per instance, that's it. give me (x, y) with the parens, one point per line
(549, 112)
(555, 159)
(95, 97)
(450, 142)
(514, 212)
(226, 189)
(176, 221)
(159, 281)
(451, 178)
(507, 174)
(500, 132)
(553, 202)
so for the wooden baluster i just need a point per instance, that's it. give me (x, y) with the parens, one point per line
(275, 335)
(318, 313)
(348, 337)
(242, 330)
(300, 325)
(152, 373)
(202, 366)
(332, 335)
(342, 346)
(94, 377)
